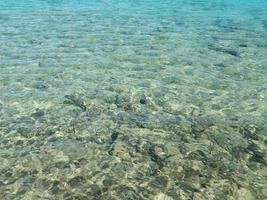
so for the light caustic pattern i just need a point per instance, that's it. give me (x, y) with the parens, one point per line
(125, 99)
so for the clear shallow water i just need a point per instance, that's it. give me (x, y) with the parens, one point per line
(133, 99)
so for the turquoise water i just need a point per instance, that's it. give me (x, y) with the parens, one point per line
(162, 99)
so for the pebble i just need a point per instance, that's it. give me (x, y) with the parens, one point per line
(250, 131)
(95, 190)
(186, 187)
(198, 155)
(123, 102)
(107, 182)
(161, 181)
(243, 45)
(55, 187)
(232, 51)
(143, 99)
(238, 152)
(38, 114)
(71, 99)
(41, 86)
(221, 65)
(76, 181)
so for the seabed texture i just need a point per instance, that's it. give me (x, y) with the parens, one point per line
(129, 100)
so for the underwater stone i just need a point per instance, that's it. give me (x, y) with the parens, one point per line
(54, 190)
(253, 147)
(238, 152)
(25, 132)
(198, 155)
(186, 187)
(183, 148)
(162, 181)
(22, 191)
(76, 181)
(232, 51)
(78, 163)
(198, 127)
(107, 182)
(62, 165)
(38, 114)
(250, 131)
(114, 136)
(258, 154)
(243, 45)
(127, 192)
(143, 99)
(41, 85)
(259, 157)
(95, 190)
(55, 187)
(123, 102)
(71, 99)
(156, 158)
(111, 141)
(220, 65)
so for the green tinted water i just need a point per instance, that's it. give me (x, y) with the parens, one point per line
(133, 99)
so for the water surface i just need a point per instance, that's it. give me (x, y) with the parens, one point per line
(125, 99)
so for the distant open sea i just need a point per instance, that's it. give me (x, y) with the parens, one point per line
(133, 100)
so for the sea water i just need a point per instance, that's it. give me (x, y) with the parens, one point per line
(131, 99)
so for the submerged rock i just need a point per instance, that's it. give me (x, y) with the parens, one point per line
(227, 50)
(186, 187)
(123, 102)
(232, 51)
(55, 187)
(126, 192)
(221, 65)
(143, 99)
(250, 131)
(198, 155)
(114, 136)
(26, 132)
(258, 155)
(111, 141)
(160, 181)
(38, 114)
(239, 152)
(41, 85)
(77, 181)
(243, 45)
(73, 100)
